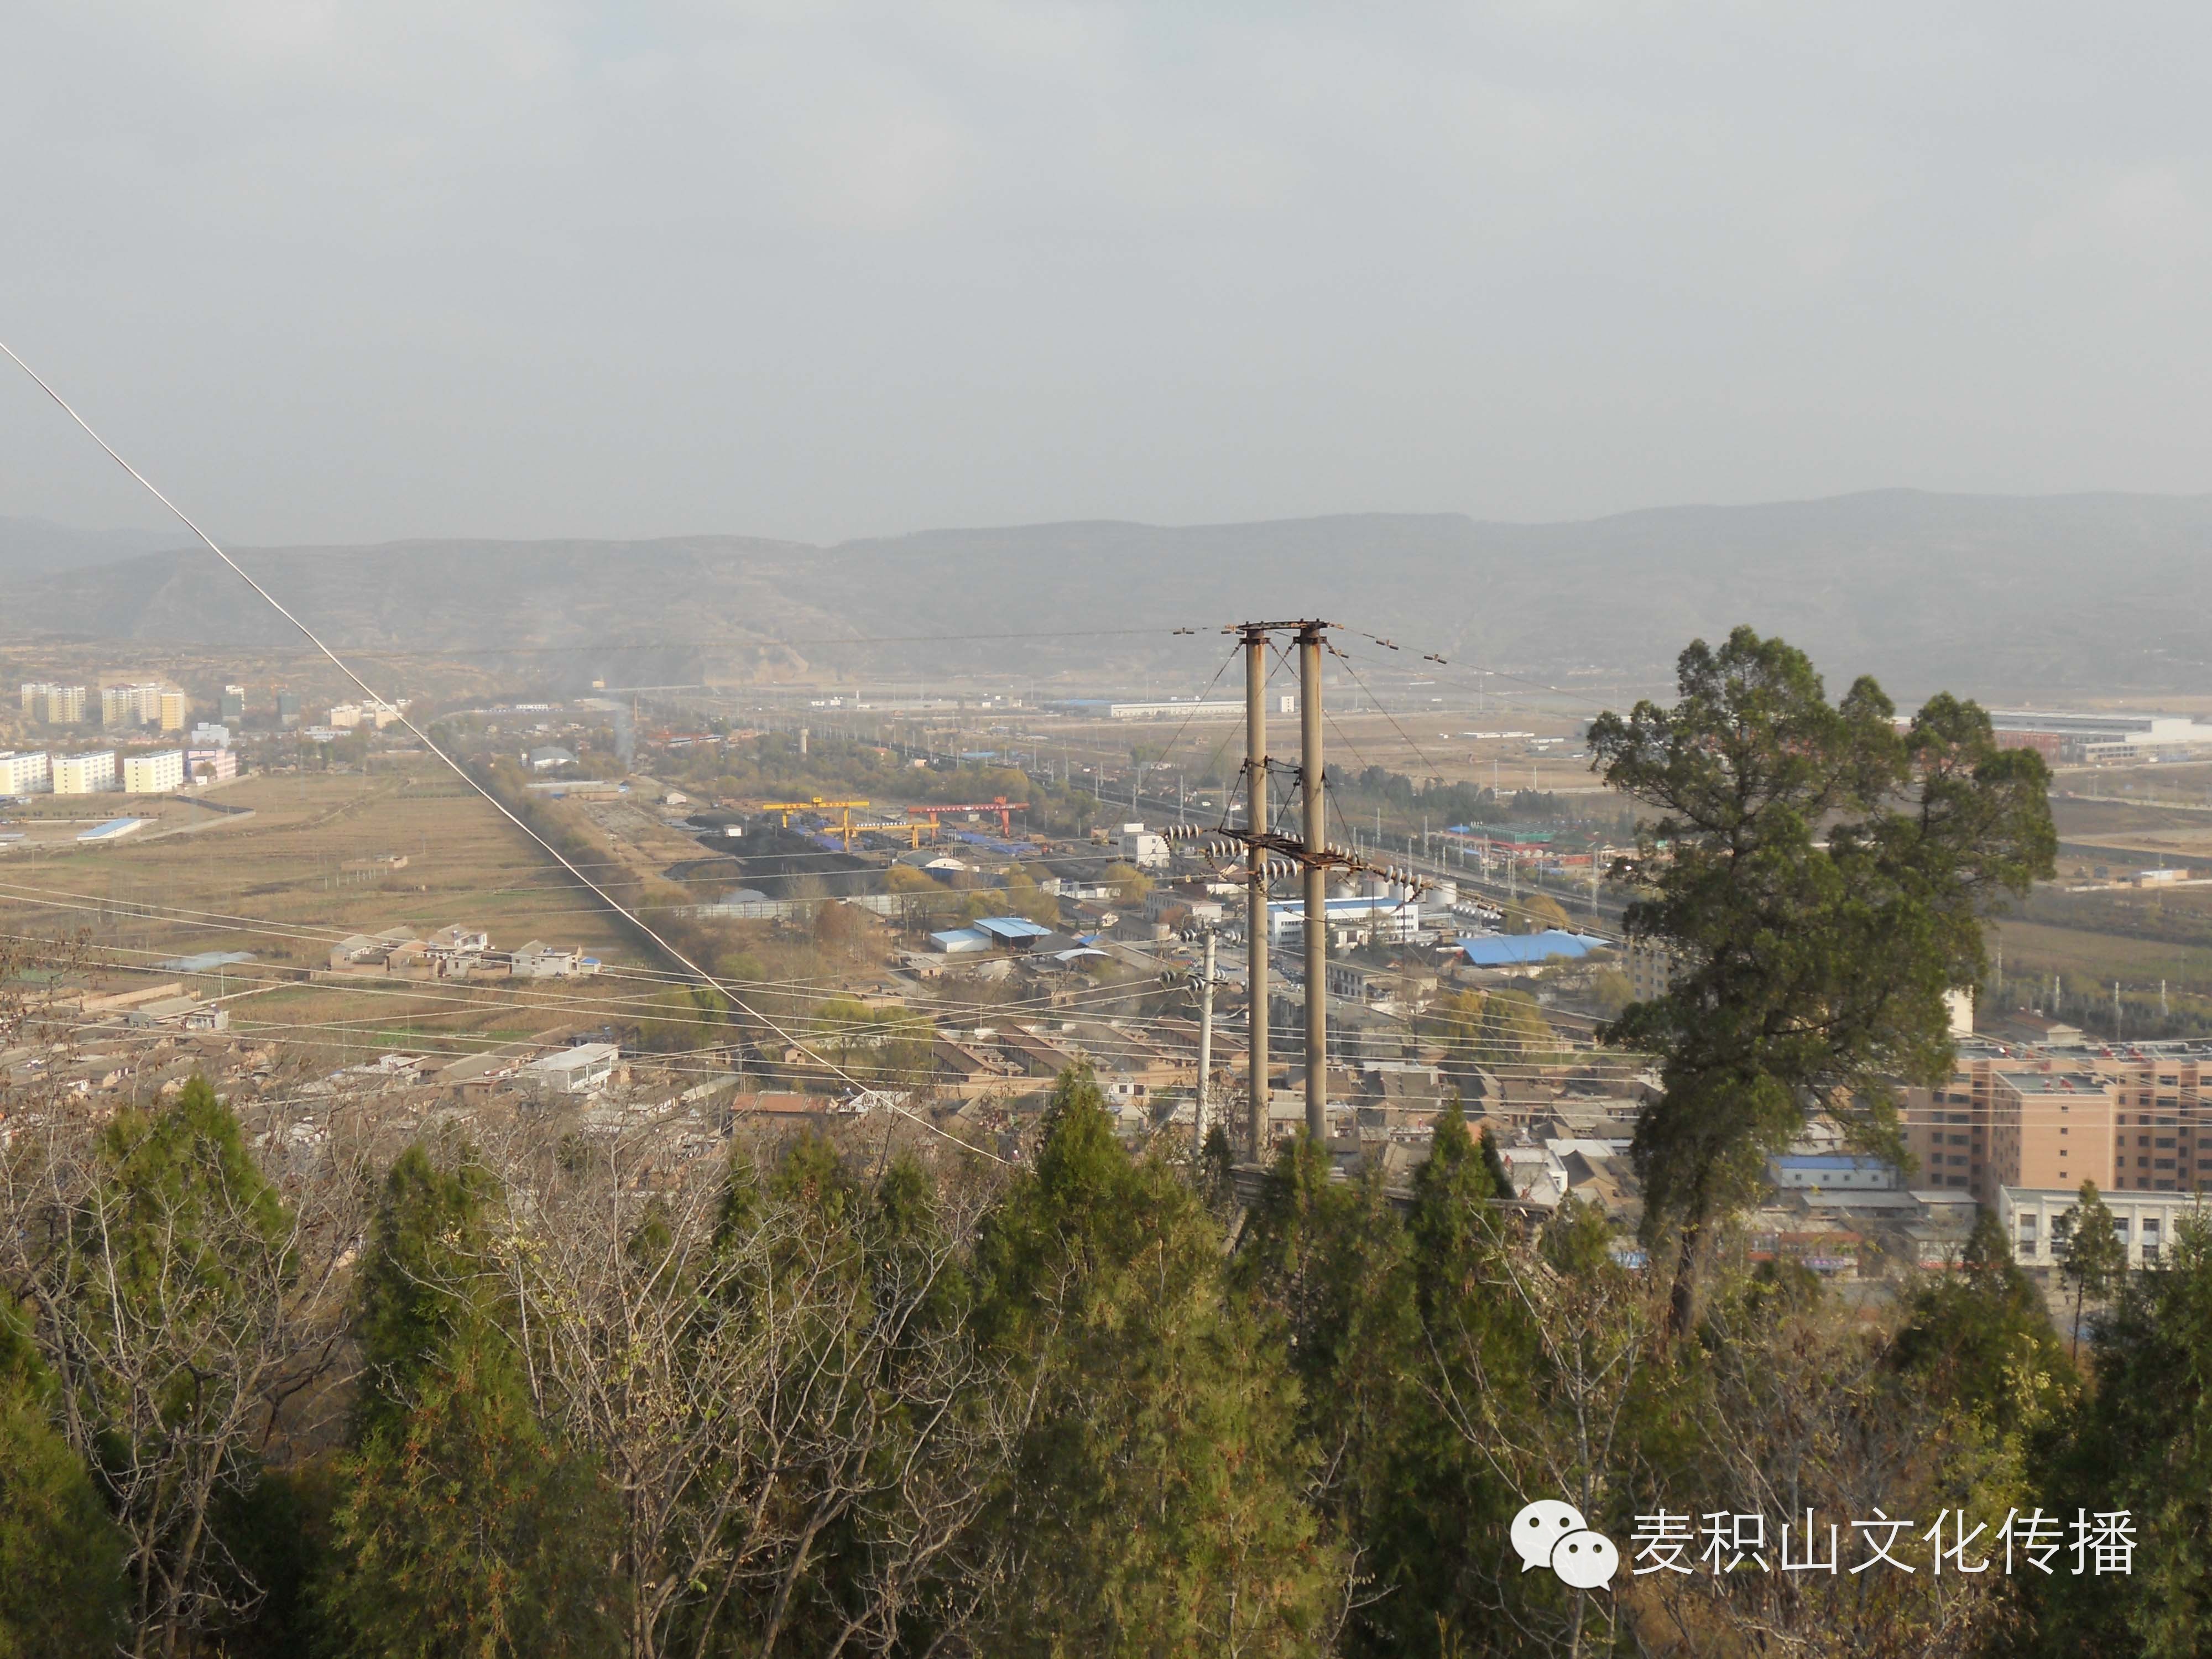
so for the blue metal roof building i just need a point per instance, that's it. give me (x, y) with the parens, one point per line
(1550, 946)
(113, 830)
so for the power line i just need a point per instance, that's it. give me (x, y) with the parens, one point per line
(423, 738)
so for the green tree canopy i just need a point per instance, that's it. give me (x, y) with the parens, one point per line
(1819, 878)
(62, 1588)
(1101, 1279)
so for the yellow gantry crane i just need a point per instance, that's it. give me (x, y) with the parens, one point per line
(817, 805)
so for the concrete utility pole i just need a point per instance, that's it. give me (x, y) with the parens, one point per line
(1269, 853)
(1316, 874)
(1256, 934)
(1204, 1048)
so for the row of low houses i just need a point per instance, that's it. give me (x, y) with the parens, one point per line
(454, 952)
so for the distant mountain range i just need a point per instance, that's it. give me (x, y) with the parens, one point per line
(2001, 596)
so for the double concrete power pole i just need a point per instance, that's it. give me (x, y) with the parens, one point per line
(1270, 855)
(1309, 851)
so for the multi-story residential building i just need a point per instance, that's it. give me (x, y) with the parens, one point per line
(2052, 1129)
(2165, 1129)
(210, 765)
(130, 705)
(288, 709)
(156, 773)
(2131, 1118)
(1650, 968)
(207, 735)
(56, 705)
(28, 774)
(231, 709)
(175, 710)
(89, 773)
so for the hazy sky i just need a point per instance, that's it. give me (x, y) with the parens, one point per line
(493, 267)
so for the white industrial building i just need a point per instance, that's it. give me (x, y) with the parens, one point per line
(1381, 916)
(2039, 1221)
(568, 1071)
(1143, 849)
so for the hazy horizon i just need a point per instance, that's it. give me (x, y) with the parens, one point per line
(529, 270)
(164, 533)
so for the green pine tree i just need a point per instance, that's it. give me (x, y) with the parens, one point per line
(2143, 1443)
(460, 1528)
(1157, 1492)
(2096, 1261)
(1435, 1533)
(63, 1588)
(174, 1277)
(1819, 879)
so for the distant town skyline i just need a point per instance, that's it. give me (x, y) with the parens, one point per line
(352, 274)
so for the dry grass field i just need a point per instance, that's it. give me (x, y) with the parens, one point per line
(276, 886)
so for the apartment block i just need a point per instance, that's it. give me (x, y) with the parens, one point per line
(156, 773)
(25, 774)
(2165, 1131)
(90, 774)
(174, 710)
(231, 709)
(288, 709)
(216, 765)
(2132, 1118)
(2051, 1129)
(56, 705)
(129, 705)
(1652, 968)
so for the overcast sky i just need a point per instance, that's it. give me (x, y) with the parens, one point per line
(347, 272)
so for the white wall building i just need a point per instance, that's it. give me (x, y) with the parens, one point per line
(577, 1071)
(2039, 1220)
(1381, 916)
(1143, 849)
(29, 774)
(156, 773)
(89, 773)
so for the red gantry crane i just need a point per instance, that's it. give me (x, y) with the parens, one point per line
(1000, 807)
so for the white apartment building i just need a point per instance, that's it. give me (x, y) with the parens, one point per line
(26, 773)
(156, 773)
(89, 773)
